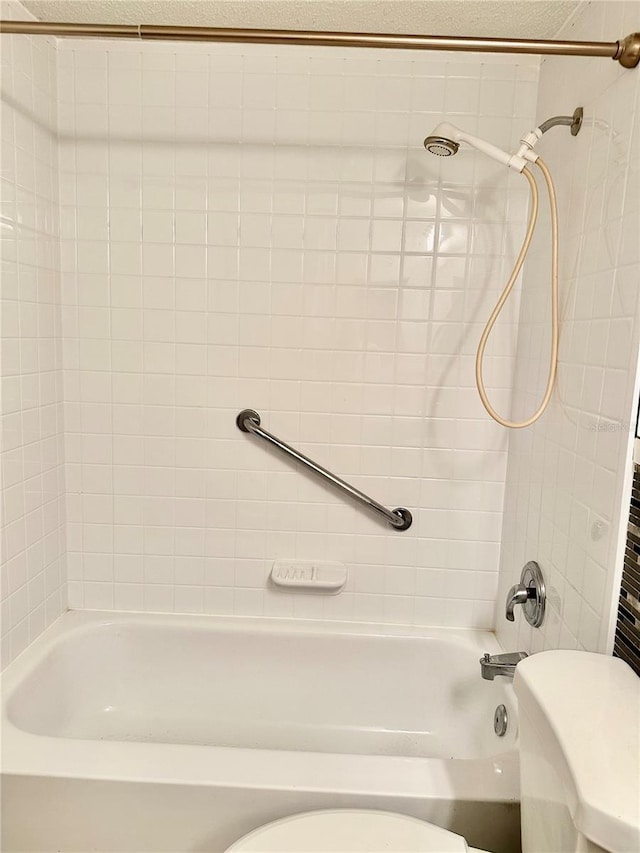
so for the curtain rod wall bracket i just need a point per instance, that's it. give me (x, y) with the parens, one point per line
(626, 51)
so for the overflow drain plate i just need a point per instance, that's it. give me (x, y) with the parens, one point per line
(500, 721)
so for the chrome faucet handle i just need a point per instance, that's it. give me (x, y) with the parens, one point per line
(518, 594)
(530, 593)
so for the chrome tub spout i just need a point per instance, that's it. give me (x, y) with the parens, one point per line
(492, 665)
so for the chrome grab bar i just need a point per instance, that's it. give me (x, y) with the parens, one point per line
(399, 518)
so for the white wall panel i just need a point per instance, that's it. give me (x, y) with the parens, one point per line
(260, 227)
(568, 480)
(32, 539)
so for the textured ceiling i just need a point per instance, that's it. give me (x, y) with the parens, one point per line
(511, 19)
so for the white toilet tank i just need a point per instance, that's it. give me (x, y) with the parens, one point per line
(579, 719)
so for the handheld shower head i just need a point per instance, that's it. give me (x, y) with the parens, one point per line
(446, 138)
(441, 146)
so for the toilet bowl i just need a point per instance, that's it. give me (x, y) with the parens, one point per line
(351, 831)
(580, 787)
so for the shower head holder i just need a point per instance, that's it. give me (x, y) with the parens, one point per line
(529, 140)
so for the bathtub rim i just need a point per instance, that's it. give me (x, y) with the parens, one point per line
(28, 754)
(76, 619)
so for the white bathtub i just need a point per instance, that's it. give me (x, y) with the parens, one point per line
(168, 733)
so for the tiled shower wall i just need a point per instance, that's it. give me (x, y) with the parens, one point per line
(259, 227)
(33, 573)
(569, 477)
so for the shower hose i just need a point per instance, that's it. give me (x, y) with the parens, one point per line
(553, 361)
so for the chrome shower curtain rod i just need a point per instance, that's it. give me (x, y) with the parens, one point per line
(626, 51)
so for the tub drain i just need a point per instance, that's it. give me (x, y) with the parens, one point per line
(500, 721)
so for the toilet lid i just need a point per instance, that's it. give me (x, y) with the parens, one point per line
(349, 831)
